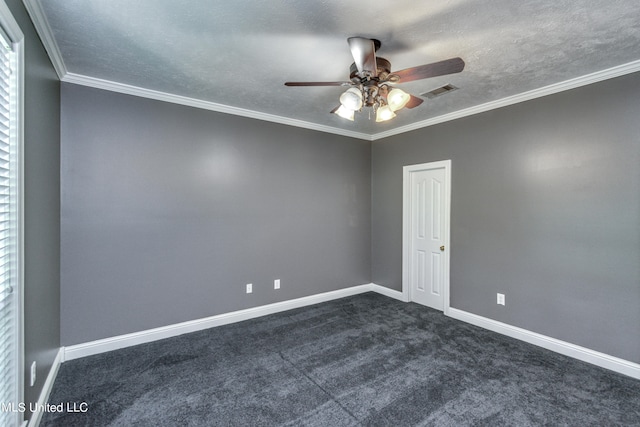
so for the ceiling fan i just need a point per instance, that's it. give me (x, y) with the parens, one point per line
(371, 81)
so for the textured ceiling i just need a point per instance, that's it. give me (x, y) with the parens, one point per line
(239, 53)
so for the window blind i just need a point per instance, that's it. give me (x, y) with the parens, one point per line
(9, 391)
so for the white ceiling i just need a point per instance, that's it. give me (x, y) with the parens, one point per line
(234, 56)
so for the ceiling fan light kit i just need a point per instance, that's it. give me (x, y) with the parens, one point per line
(384, 113)
(397, 99)
(345, 112)
(352, 99)
(371, 82)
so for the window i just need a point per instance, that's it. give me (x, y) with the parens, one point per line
(11, 358)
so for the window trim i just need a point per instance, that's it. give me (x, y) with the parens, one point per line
(12, 30)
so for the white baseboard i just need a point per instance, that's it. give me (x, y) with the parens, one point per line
(389, 292)
(135, 338)
(108, 344)
(36, 417)
(577, 352)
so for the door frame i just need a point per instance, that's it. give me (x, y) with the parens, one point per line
(406, 226)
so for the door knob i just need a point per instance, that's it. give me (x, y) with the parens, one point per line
(442, 248)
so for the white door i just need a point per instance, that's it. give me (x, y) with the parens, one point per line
(427, 234)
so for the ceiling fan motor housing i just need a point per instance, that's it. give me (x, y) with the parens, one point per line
(382, 64)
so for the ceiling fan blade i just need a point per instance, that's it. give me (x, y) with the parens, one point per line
(441, 68)
(364, 55)
(414, 101)
(318, 84)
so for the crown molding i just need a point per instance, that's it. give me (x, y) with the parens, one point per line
(577, 82)
(43, 28)
(40, 22)
(205, 105)
(588, 79)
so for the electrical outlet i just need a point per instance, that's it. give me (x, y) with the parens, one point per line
(249, 288)
(501, 299)
(276, 284)
(33, 373)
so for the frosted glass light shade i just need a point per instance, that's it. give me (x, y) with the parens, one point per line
(384, 113)
(345, 113)
(397, 99)
(351, 99)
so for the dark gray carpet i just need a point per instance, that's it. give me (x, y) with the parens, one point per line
(364, 360)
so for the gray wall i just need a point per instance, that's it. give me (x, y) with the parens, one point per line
(42, 206)
(545, 208)
(168, 211)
